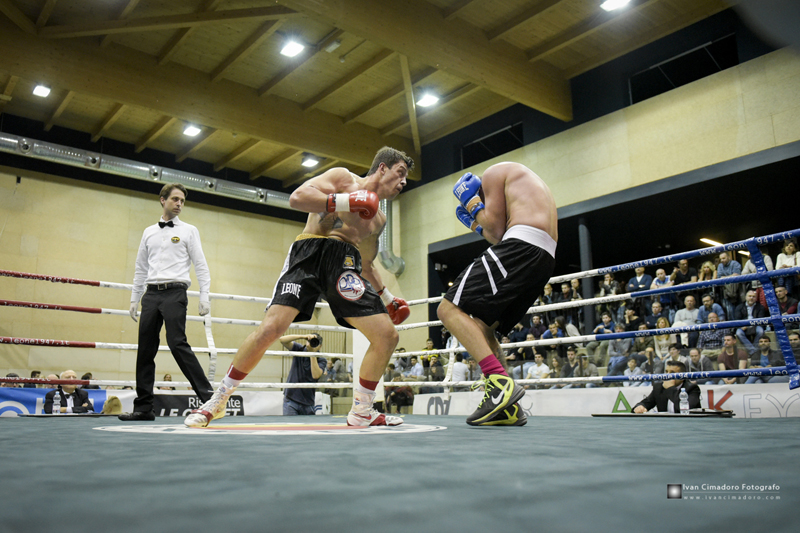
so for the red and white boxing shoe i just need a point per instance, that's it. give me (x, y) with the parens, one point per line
(372, 418)
(213, 409)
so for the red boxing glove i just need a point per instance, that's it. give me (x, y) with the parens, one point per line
(397, 307)
(365, 203)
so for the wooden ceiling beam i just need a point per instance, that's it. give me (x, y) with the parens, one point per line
(303, 175)
(653, 34)
(169, 22)
(182, 35)
(243, 50)
(5, 96)
(128, 77)
(108, 122)
(17, 17)
(278, 160)
(455, 96)
(155, 132)
(582, 31)
(388, 96)
(475, 116)
(298, 61)
(197, 143)
(456, 9)
(518, 20)
(339, 85)
(420, 32)
(410, 103)
(62, 106)
(125, 13)
(44, 14)
(236, 154)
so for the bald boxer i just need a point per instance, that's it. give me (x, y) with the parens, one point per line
(333, 258)
(512, 208)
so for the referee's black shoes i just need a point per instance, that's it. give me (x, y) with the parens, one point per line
(137, 415)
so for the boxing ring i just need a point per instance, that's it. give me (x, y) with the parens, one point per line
(433, 472)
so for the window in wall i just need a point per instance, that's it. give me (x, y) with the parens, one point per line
(492, 145)
(685, 68)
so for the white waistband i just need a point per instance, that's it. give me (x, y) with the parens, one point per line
(533, 236)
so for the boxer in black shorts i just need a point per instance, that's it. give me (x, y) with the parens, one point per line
(513, 209)
(333, 258)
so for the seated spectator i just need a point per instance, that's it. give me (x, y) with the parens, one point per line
(73, 399)
(711, 341)
(570, 316)
(473, 371)
(708, 271)
(524, 357)
(519, 333)
(788, 258)
(657, 311)
(538, 370)
(708, 307)
(641, 345)
(700, 363)
(388, 374)
(687, 317)
(8, 385)
(674, 354)
(436, 369)
(88, 376)
(683, 273)
(667, 300)
(571, 367)
(652, 364)
(618, 352)
(569, 329)
(460, 372)
(750, 268)
(794, 341)
(767, 358)
(632, 320)
(167, 377)
(601, 347)
(555, 367)
(538, 327)
(34, 374)
(587, 370)
(633, 370)
(415, 371)
(730, 359)
(666, 394)
(662, 342)
(609, 287)
(399, 396)
(788, 305)
(747, 310)
(546, 298)
(553, 332)
(639, 282)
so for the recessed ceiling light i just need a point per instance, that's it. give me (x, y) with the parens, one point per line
(41, 90)
(191, 131)
(292, 48)
(310, 161)
(611, 5)
(427, 99)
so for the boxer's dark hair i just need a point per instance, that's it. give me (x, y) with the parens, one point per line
(390, 157)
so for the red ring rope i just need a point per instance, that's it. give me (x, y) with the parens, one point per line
(47, 342)
(35, 305)
(54, 279)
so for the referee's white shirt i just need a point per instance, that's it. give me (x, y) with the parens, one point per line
(166, 254)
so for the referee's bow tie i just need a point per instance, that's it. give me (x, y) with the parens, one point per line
(161, 224)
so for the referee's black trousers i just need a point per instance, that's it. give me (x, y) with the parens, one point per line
(165, 307)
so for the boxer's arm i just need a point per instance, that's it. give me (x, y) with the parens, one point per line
(312, 196)
(493, 217)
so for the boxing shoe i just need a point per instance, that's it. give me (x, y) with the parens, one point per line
(500, 392)
(213, 409)
(363, 414)
(511, 416)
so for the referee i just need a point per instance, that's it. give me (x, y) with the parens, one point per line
(165, 256)
(303, 370)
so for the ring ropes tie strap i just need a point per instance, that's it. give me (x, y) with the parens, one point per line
(212, 348)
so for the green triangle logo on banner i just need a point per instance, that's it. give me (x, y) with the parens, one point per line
(621, 401)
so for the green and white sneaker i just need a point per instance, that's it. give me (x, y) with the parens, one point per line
(501, 392)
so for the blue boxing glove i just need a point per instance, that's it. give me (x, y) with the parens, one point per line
(468, 221)
(467, 190)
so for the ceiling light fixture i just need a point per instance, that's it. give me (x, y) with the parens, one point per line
(310, 161)
(715, 243)
(427, 100)
(41, 90)
(292, 48)
(333, 45)
(191, 130)
(611, 5)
